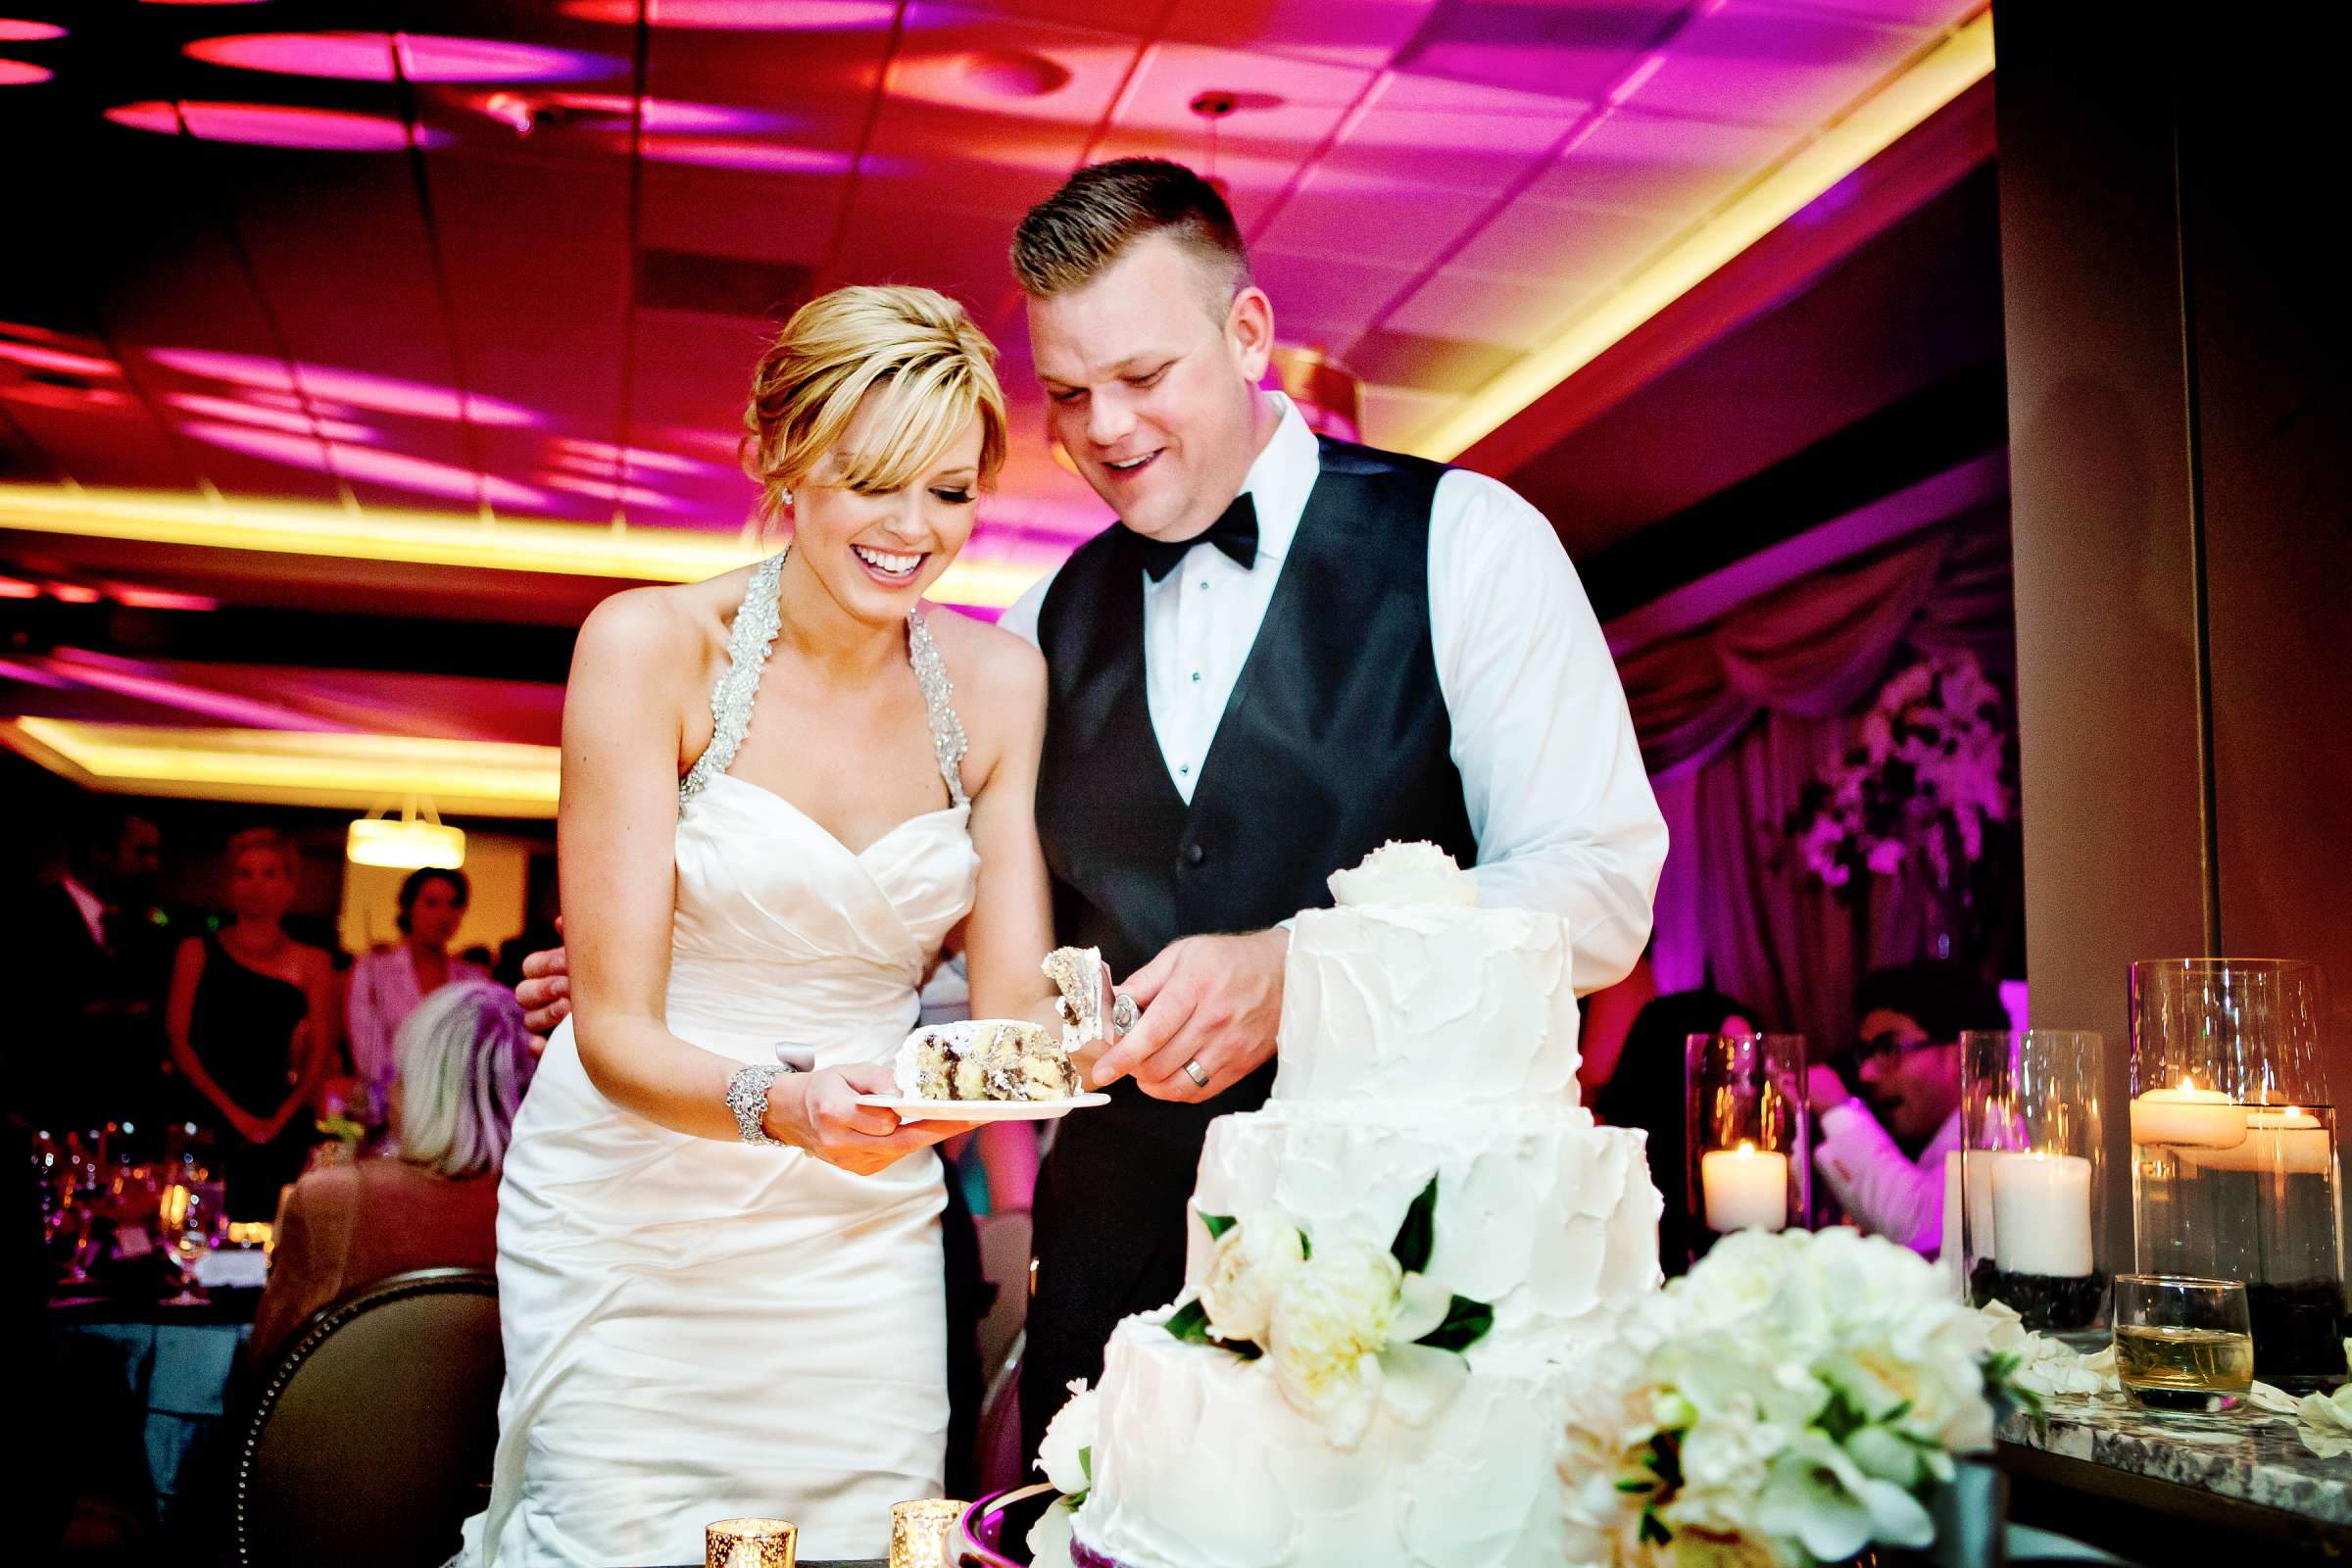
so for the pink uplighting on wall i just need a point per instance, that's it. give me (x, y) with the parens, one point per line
(384, 394)
(14, 30)
(274, 125)
(20, 74)
(392, 468)
(372, 57)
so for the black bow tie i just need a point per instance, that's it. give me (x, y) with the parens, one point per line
(1235, 533)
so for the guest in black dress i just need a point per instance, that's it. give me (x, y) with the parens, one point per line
(252, 1020)
(1646, 1091)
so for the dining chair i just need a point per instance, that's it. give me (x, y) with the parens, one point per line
(371, 1437)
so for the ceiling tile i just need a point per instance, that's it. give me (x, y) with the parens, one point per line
(1400, 227)
(1365, 34)
(1569, 51)
(1752, 63)
(1642, 163)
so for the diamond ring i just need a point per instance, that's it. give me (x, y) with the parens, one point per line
(1192, 1070)
(1122, 1011)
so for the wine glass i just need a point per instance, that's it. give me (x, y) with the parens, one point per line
(191, 1216)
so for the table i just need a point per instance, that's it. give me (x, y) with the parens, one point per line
(166, 1370)
(2163, 1489)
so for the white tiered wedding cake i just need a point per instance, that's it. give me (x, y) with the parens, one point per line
(1394, 1266)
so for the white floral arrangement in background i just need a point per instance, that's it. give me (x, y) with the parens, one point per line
(1349, 1329)
(1932, 755)
(1791, 1401)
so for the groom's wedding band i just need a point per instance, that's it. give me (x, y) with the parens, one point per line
(1192, 1070)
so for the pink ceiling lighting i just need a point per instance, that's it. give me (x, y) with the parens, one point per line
(267, 419)
(573, 452)
(64, 362)
(274, 125)
(12, 30)
(525, 111)
(765, 157)
(740, 16)
(21, 74)
(391, 55)
(395, 470)
(384, 394)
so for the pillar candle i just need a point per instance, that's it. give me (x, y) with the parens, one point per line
(2042, 1214)
(1745, 1188)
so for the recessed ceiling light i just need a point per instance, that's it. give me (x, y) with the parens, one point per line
(20, 74)
(12, 30)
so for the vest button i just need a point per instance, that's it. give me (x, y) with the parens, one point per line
(1194, 855)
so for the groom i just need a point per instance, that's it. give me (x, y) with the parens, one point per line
(1289, 651)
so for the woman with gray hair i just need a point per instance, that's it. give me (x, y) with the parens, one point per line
(465, 1059)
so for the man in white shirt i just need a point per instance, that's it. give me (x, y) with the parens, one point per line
(1883, 1152)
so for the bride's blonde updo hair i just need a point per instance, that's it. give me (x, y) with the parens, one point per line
(915, 350)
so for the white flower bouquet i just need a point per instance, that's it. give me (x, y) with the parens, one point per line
(1349, 1329)
(1790, 1401)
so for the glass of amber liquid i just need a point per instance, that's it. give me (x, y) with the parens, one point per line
(2182, 1343)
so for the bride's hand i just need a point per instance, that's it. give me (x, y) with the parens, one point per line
(818, 1112)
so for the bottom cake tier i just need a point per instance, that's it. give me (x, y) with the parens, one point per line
(1199, 1462)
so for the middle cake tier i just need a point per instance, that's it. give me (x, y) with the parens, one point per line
(1547, 1218)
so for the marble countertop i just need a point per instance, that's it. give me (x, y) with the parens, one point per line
(2247, 1454)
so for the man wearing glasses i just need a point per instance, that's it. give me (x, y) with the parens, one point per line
(1882, 1152)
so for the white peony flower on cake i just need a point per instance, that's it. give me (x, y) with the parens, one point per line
(1341, 1336)
(1252, 1260)
(1399, 873)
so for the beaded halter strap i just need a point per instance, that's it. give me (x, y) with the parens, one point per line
(754, 637)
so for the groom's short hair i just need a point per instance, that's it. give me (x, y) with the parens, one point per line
(1104, 209)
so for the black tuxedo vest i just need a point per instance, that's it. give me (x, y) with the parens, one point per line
(1336, 739)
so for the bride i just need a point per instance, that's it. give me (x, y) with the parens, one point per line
(720, 1278)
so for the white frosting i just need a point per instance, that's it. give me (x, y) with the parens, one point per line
(1399, 873)
(1428, 1003)
(1201, 1463)
(1549, 1219)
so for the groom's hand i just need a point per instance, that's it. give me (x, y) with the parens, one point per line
(1208, 1002)
(546, 988)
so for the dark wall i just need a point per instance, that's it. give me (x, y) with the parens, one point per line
(2176, 328)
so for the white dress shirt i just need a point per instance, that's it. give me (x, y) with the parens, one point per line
(1882, 1189)
(1552, 779)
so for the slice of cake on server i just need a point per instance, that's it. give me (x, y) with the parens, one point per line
(1394, 1266)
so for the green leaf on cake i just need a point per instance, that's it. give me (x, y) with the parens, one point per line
(1417, 1236)
(1218, 1224)
(1190, 1323)
(1086, 1464)
(1466, 1323)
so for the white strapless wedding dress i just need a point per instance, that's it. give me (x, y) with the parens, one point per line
(699, 1330)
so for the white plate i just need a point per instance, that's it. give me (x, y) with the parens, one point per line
(914, 1109)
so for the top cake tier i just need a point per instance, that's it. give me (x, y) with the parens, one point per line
(1429, 1003)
